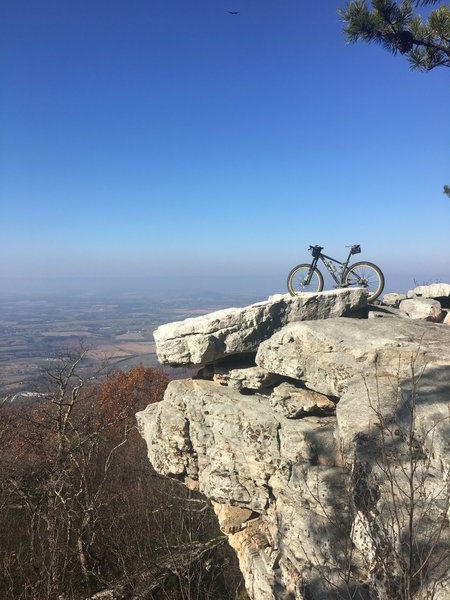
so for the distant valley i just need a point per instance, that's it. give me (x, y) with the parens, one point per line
(116, 332)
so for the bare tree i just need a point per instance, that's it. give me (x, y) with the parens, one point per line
(82, 513)
(393, 540)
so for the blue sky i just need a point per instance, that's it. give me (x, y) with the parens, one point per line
(169, 139)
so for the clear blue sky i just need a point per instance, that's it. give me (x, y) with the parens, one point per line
(168, 138)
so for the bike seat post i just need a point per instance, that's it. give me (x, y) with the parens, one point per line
(349, 256)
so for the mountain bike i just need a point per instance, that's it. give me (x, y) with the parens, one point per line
(308, 278)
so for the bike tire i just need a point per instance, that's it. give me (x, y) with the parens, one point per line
(365, 274)
(296, 280)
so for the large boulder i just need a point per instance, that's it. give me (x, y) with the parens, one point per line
(435, 290)
(393, 299)
(420, 308)
(327, 354)
(202, 340)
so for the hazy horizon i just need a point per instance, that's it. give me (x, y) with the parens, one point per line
(160, 287)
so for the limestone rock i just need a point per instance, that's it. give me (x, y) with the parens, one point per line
(258, 561)
(269, 475)
(249, 378)
(420, 308)
(208, 338)
(230, 443)
(294, 402)
(376, 406)
(326, 354)
(435, 290)
(360, 362)
(296, 473)
(393, 299)
(379, 311)
(232, 518)
(367, 397)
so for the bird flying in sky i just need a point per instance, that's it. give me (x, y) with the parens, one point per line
(233, 12)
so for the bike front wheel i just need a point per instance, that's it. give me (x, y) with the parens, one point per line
(366, 275)
(304, 279)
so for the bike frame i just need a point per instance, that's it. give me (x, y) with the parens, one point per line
(357, 274)
(329, 263)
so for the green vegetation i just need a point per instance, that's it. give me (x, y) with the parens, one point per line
(399, 28)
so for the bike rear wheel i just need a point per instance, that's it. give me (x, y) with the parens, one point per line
(304, 279)
(367, 275)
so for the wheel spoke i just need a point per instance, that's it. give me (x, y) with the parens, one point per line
(368, 276)
(298, 280)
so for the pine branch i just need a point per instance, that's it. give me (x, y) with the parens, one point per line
(396, 27)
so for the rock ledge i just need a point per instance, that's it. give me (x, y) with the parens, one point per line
(287, 429)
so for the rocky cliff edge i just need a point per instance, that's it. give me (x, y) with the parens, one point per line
(318, 426)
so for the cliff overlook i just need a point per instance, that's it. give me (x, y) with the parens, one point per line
(318, 426)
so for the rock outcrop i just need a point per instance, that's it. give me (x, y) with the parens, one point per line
(420, 308)
(321, 438)
(435, 290)
(231, 331)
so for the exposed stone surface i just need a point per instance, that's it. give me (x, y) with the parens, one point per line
(294, 402)
(393, 299)
(243, 453)
(376, 406)
(420, 308)
(378, 311)
(326, 354)
(205, 339)
(232, 518)
(230, 443)
(435, 290)
(293, 452)
(367, 393)
(249, 378)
